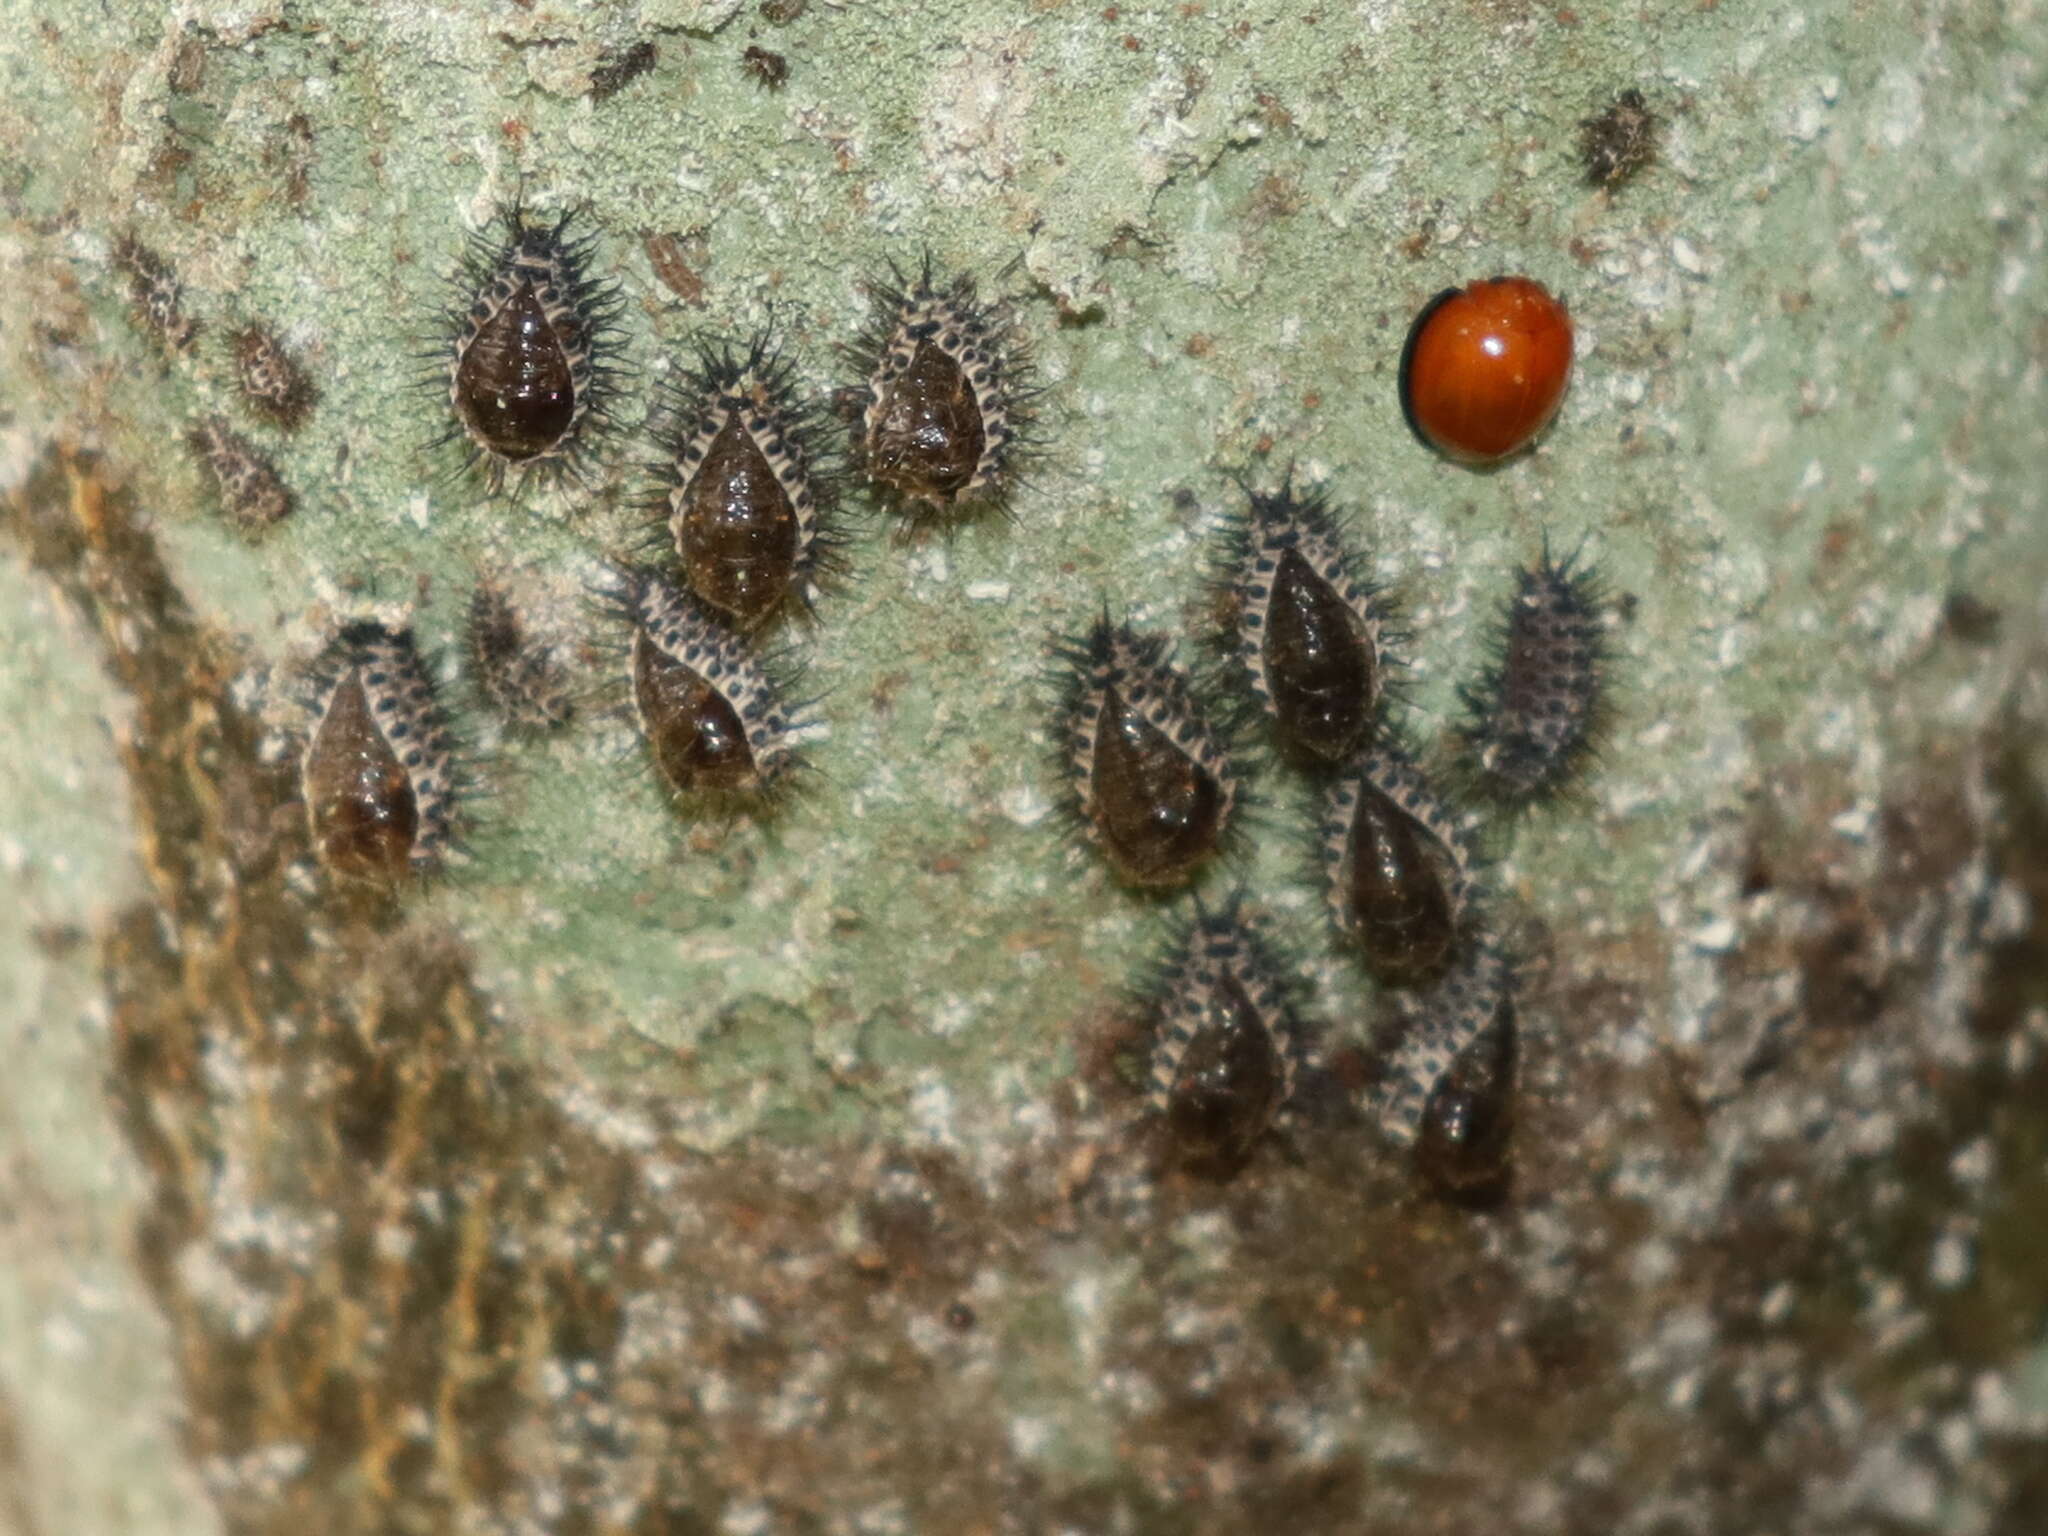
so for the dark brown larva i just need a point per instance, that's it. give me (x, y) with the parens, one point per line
(378, 773)
(1533, 720)
(944, 399)
(531, 370)
(1149, 778)
(1225, 1044)
(714, 716)
(519, 678)
(1395, 869)
(155, 294)
(250, 489)
(271, 380)
(1447, 1093)
(1311, 635)
(748, 495)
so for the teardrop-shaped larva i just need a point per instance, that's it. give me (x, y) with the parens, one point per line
(1149, 779)
(714, 716)
(747, 493)
(1311, 634)
(378, 774)
(1536, 716)
(1395, 870)
(1447, 1092)
(531, 365)
(1225, 1043)
(944, 398)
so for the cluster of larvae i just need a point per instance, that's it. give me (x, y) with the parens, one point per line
(744, 523)
(1147, 751)
(272, 385)
(745, 529)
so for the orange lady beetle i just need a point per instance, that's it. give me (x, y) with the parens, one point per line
(1485, 368)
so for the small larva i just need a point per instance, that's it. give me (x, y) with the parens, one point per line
(1310, 634)
(618, 68)
(768, 68)
(1448, 1089)
(530, 363)
(944, 400)
(154, 292)
(665, 257)
(1396, 874)
(1532, 721)
(748, 496)
(247, 483)
(714, 715)
(271, 380)
(1620, 141)
(1226, 1041)
(519, 678)
(1149, 779)
(379, 772)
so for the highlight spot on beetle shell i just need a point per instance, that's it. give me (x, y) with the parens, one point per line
(713, 713)
(1448, 1089)
(1395, 869)
(378, 774)
(155, 294)
(1149, 779)
(748, 495)
(945, 398)
(251, 492)
(270, 378)
(1535, 717)
(519, 677)
(1311, 635)
(1226, 1041)
(531, 362)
